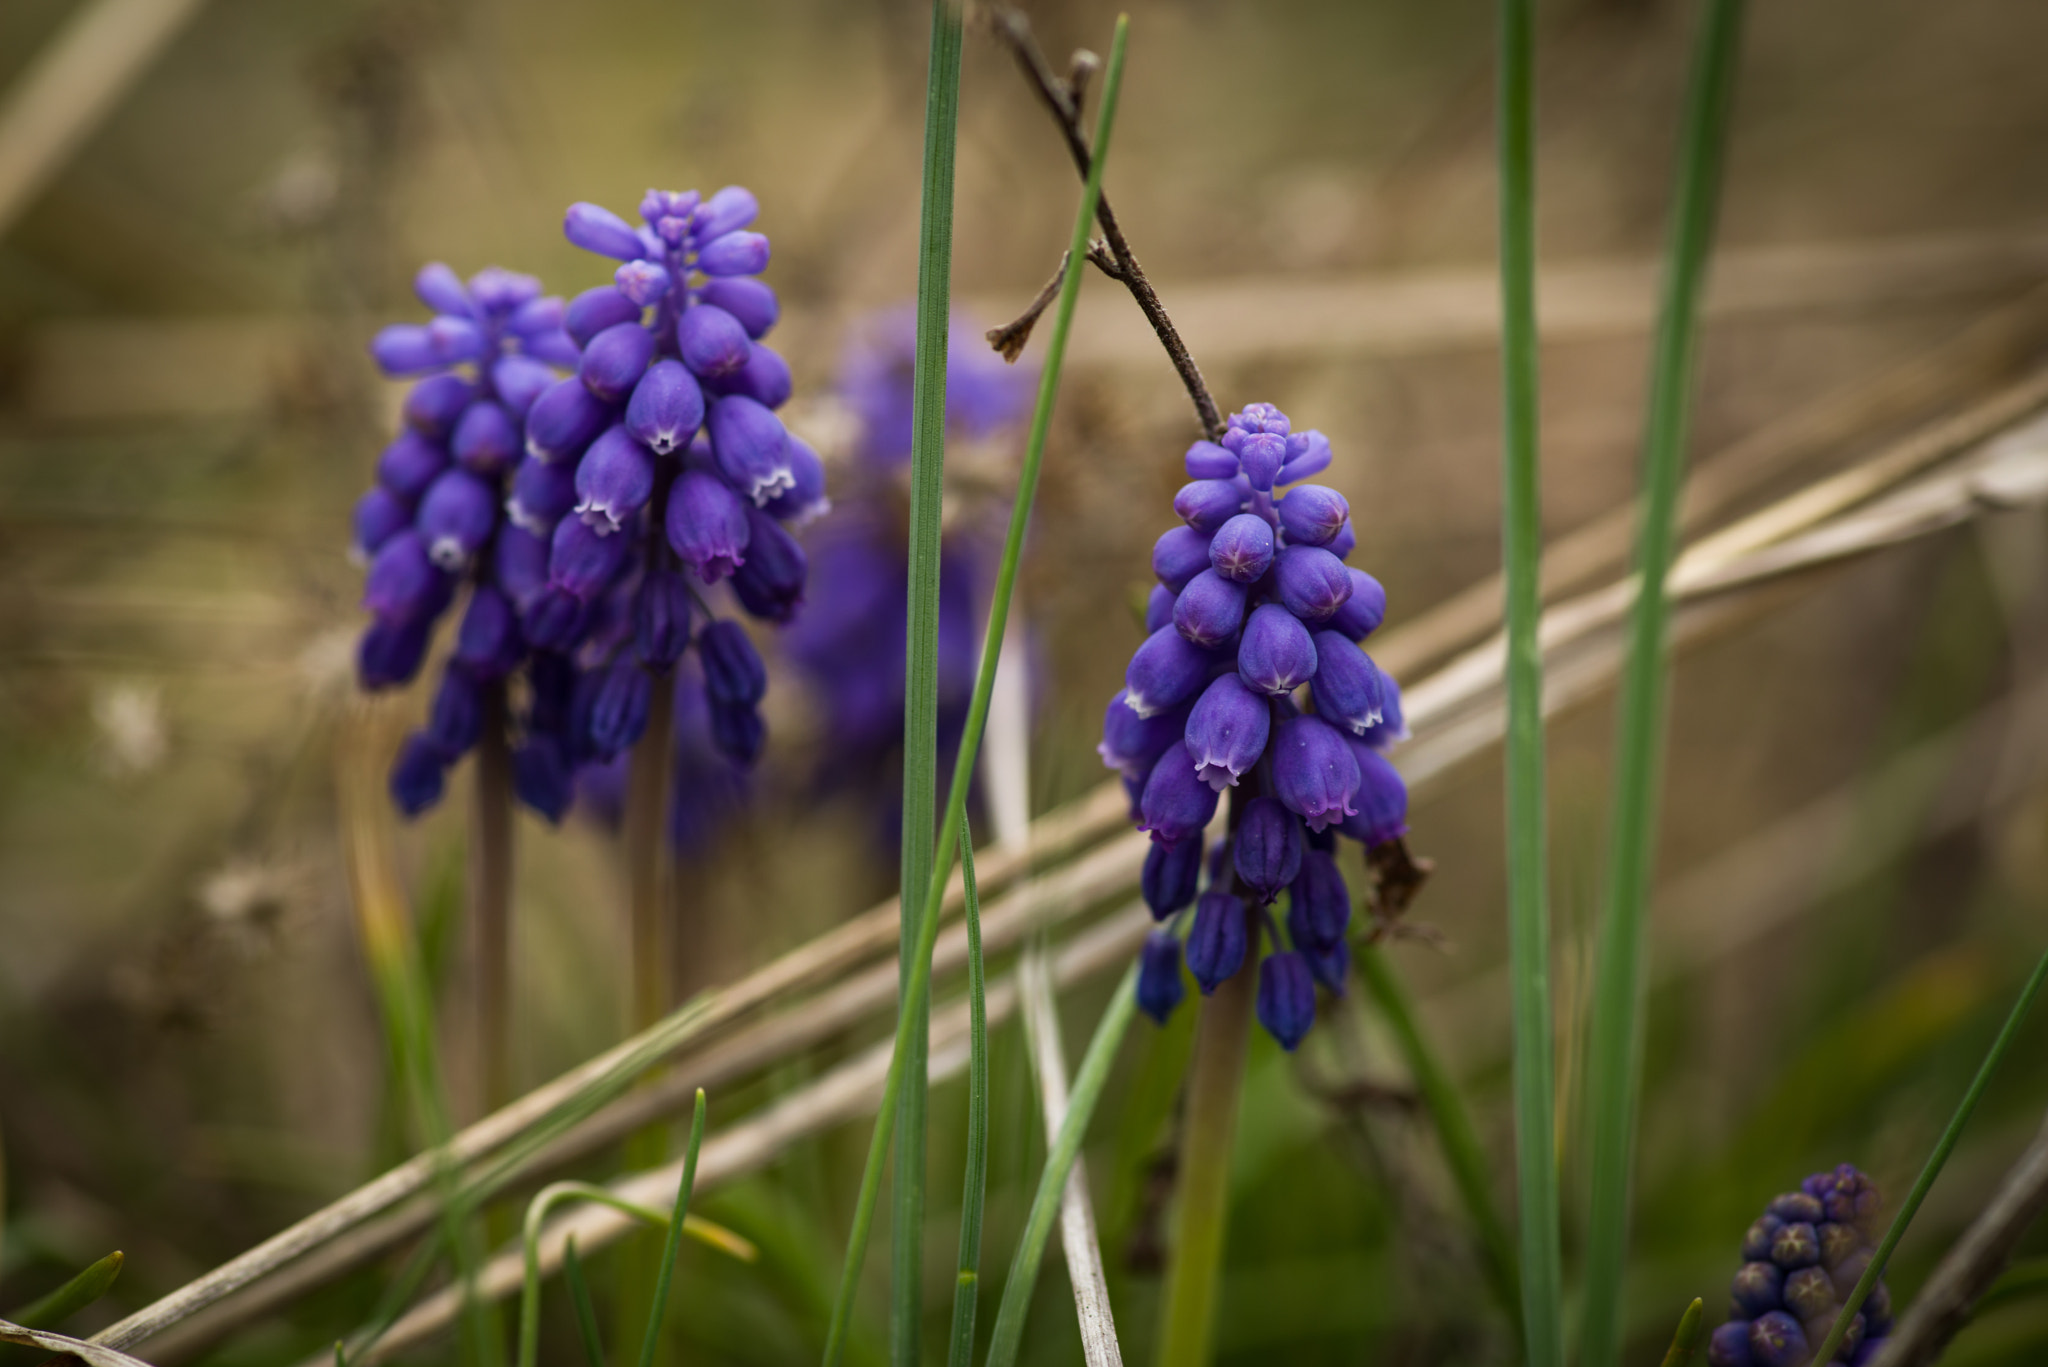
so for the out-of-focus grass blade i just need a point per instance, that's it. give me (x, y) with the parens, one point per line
(675, 1233)
(586, 1312)
(1460, 1142)
(1527, 838)
(2022, 1281)
(1614, 1041)
(81, 1291)
(907, 1058)
(1692, 1332)
(1935, 1160)
(966, 1288)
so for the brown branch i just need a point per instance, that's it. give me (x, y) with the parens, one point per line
(1061, 97)
(1010, 338)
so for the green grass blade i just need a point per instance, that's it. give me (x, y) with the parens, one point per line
(586, 1312)
(1527, 839)
(1059, 1160)
(960, 1349)
(1691, 1333)
(921, 668)
(1460, 1142)
(1615, 1031)
(1935, 1161)
(907, 1058)
(81, 1291)
(675, 1234)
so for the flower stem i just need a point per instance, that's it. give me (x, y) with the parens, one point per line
(490, 903)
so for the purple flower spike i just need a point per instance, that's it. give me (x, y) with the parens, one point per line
(1170, 877)
(805, 499)
(564, 420)
(1729, 1346)
(1159, 608)
(457, 717)
(405, 349)
(750, 301)
(582, 561)
(520, 380)
(614, 480)
(711, 341)
(1313, 457)
(707, 525)
(733, 672)
(409, 464)
(661, 620)
(1210, 610)
(1776, 1340)
(434, 405)
(1176, 804)
(1361, 614)
(1206, 504)
(486, 440)
(519, 563)
(1348, 687)
(1314, 771)
(751, 447)
(555, 618)
(615, 360)
(1159, 985)
(403, 584)
(488, 644)
(597, 229)
(1131, 744)
(643, 282)
(543, 492)
(770, 584)
(1382, 813)
(738, 733)
(1312, 514)
(595, 310)
(1758, 1288)
(540, 775)
(1243, 548)
(1216, 940)
(736, 253)
(456, 518)
(1262, 454)
(1207, 460)
(667, 407)
(619, 715)
(1277, 655)
(1165, 672)
(390, 653)
(1179, 556)
(537, 315)
(1287, 998)
(1267, 847)
(418, 776)
(455, 340)
(442, 290)
(1329, 967)
(764, 378)
(379, 516)
(1227, 731)
(1321, 904)
(1809, 1294)
(1311, 582)
(732, 208)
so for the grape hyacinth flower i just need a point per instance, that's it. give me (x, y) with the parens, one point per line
(1801, 1259)
(1252, 681)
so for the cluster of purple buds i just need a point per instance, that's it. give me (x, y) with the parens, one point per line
(1253, 679)
(1800, 1261)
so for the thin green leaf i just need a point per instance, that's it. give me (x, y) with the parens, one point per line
(1934, 1164)
(1691, 1333)
(340, 1354)
(908, 1058)
(1088, 1085)
(586, 1312)
(960, 1350)
(2025, 1279)
(1615, 1032)
(81, 1291)
(675, 1233)
(1527, 838)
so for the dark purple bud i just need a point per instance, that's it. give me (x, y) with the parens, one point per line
(1176, 805)
(711, 341)
(1877, 1307)
(1131, 744)
(615, 359)
(1729, 1346)
(456, 517)
(1207, 460)
(419, 775)
(1165, 672)
(1159, 985)
(770, 583)
(1846, 1273)
(643, 282)
(732, 208)
(1310, 582)
(667, 407)
(390, 653)
(1216, 940)
(1170, 877)
(1267, 847)
(733, 672)
(1243, 548)
(1756, 1244)
(1344, 542)
(737, 732)
(1837, 1242)
(661, 619)
(1308, 453)
(486, 439)
(435, 404)
(497, 290)
(764, 378)
(442, 290)
(537, 315)
(457, 717)
(1258, 417)
(1797, 1207)
(1776, 1340)
(1329, 966)
(543, 492)
(1210, 610)
(1261, 455)
(405, 349)
(455, 339)
(1796, 1245)
(540, 775)
(1227, 731)
(1348, 687)
(750, 301)
(1179, 556)
(596, 310)
(597, 229)
(519, 564)
(1758, 1288)
(555, 618)
(584, 561)
(804, 499)
(1360, 615)
(488, 644)
(618, 716)
(1320, 904)
(379, 515)
(1808, 1293)
(1382, 800)
(1314, 772)
(1206, 504)
(409, 464)
(1312, 514)
(564, 419)
(1287, 998)
(737, 253)
(519, 380)
(751, 447)
(403, 584)
(707, 525)
(1159, 608)
(1277, 655)
(614, 480)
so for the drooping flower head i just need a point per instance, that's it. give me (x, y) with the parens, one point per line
(1253, 681)
(1801, 1259)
